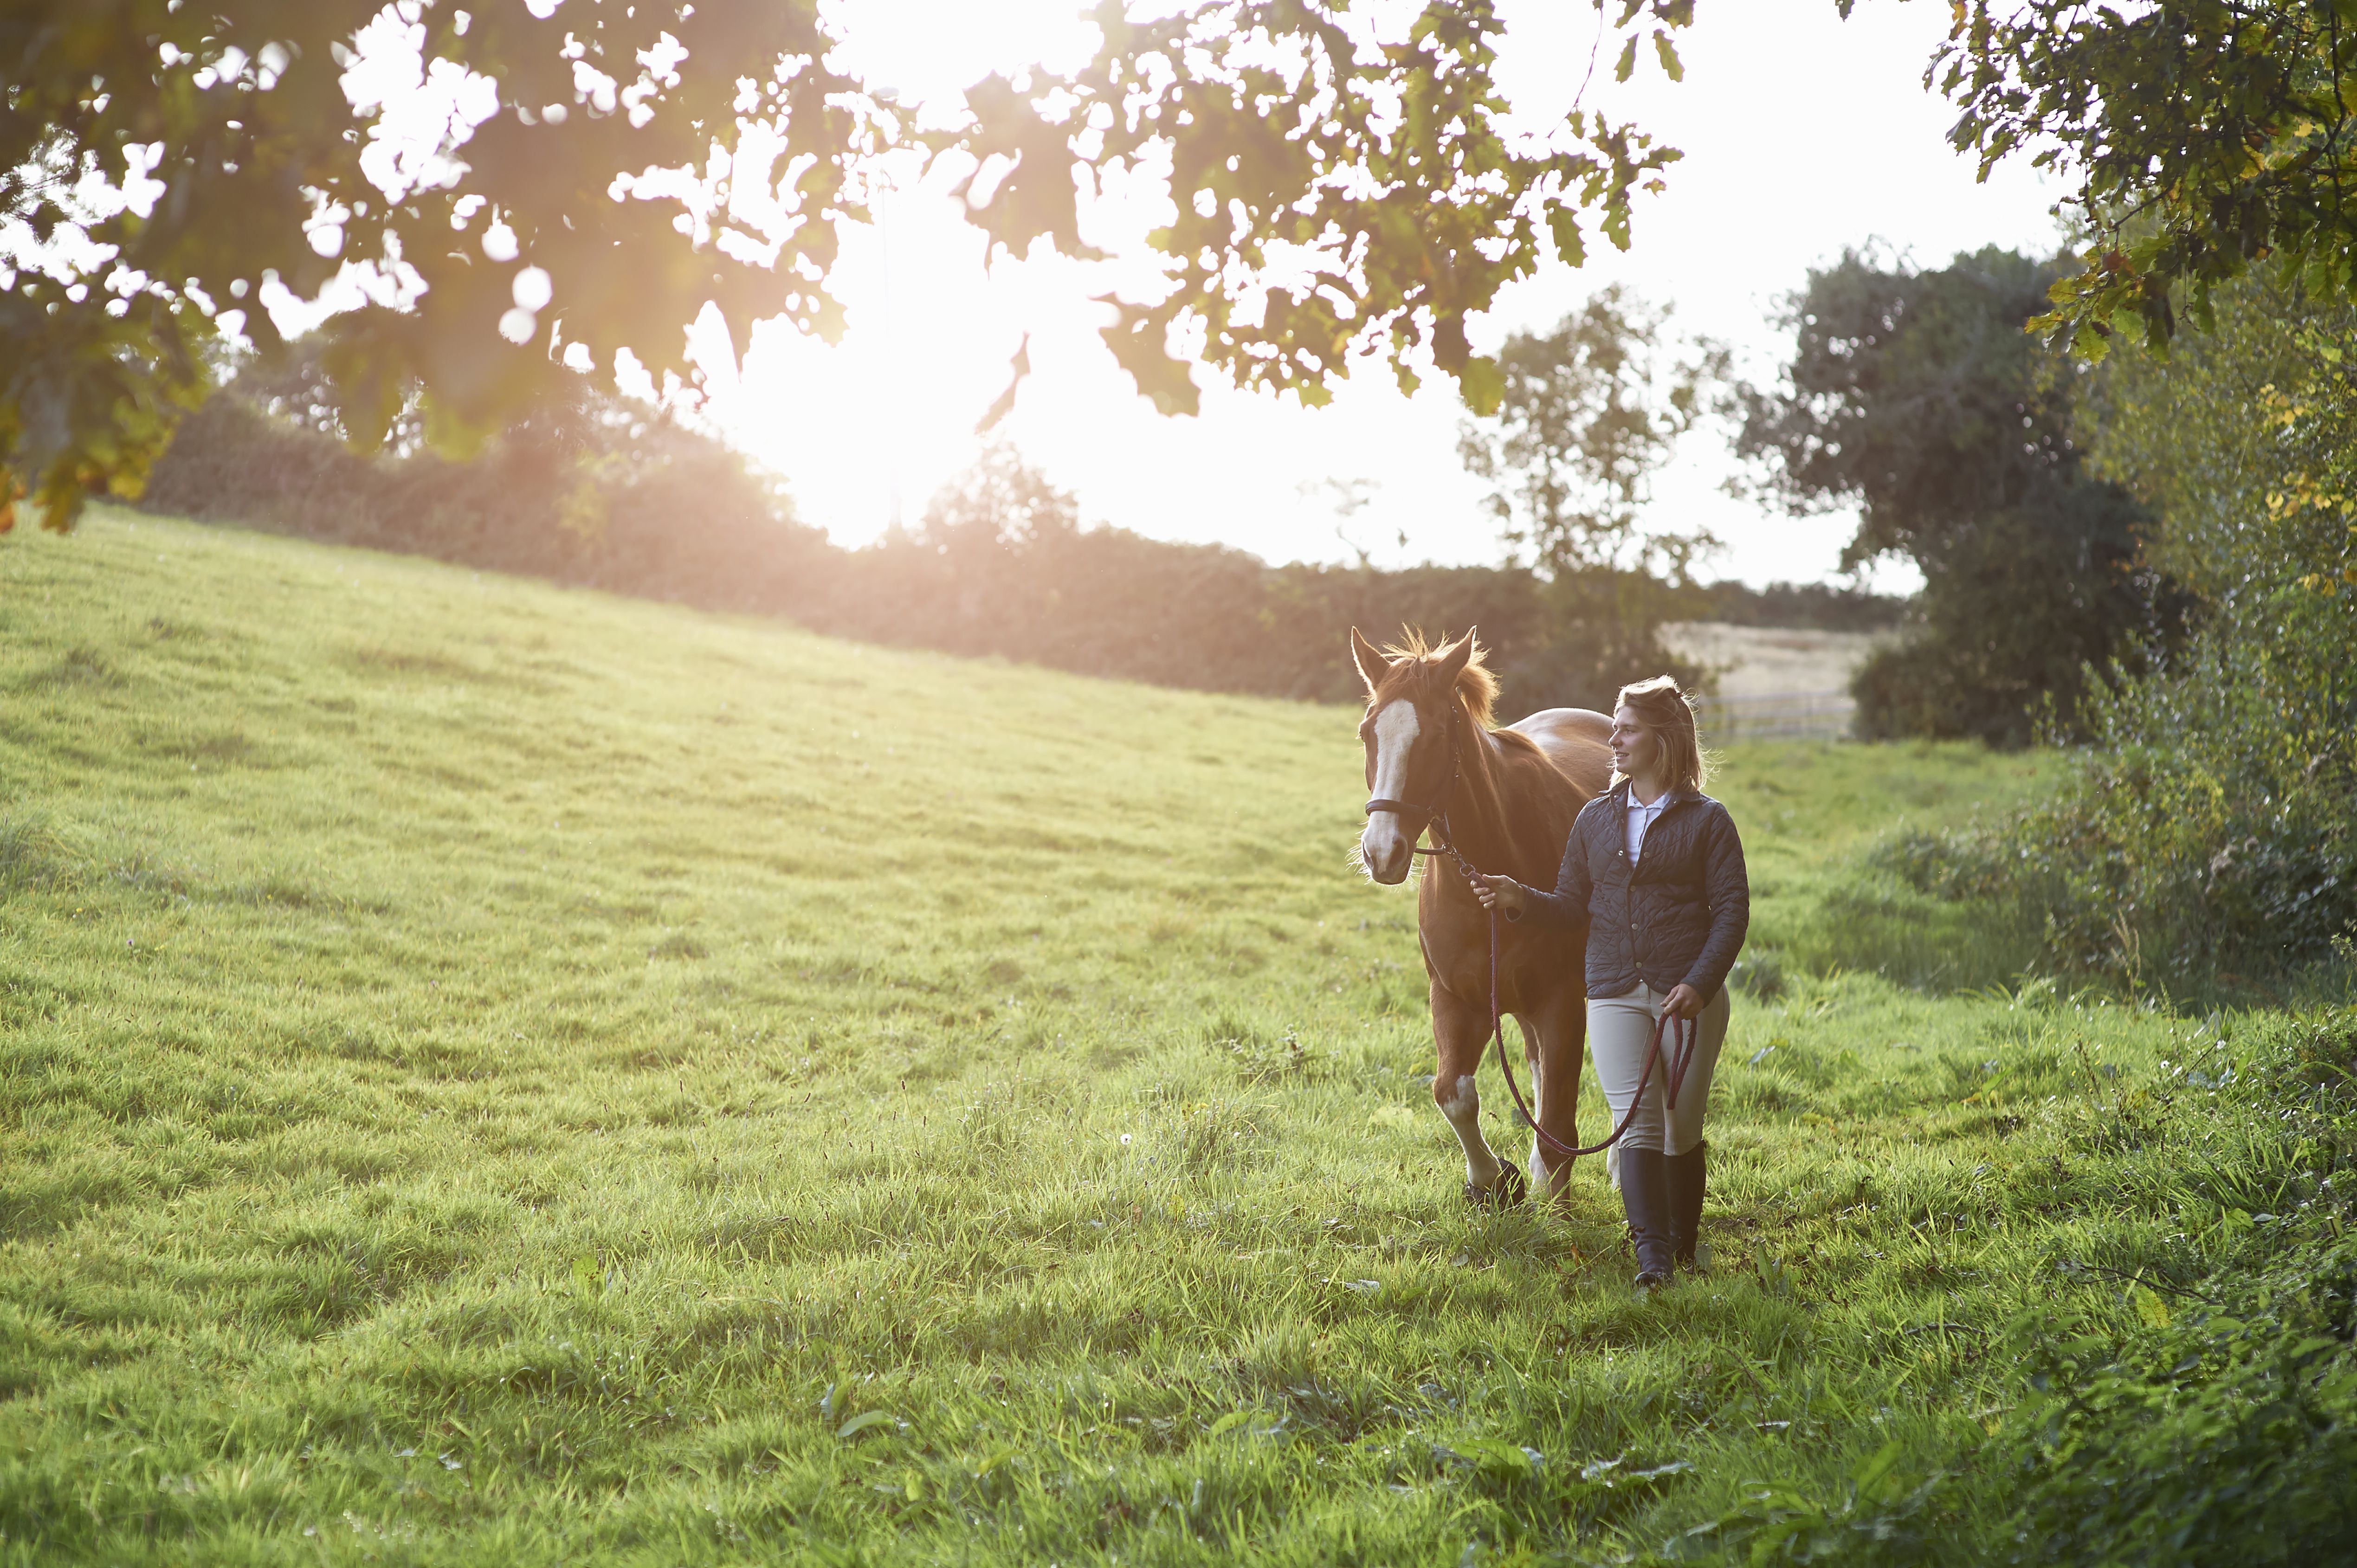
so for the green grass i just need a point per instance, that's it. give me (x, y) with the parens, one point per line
(495, 1074)
(1810, 813)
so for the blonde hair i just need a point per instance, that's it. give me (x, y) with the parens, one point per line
(1663, 706)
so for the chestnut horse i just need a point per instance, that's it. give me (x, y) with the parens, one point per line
(1505, 799)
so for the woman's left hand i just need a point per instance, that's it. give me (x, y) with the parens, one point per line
(1682, 1001)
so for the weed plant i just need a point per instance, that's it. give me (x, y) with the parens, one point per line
(498, 1074)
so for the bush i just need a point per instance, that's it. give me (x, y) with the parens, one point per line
(2205, 838)
(597, 494)
(2050, 607)
(2211, 840)
(2226, 1429)
(2210, 836)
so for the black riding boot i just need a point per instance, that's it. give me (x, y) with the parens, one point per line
(1685, 1184)
(1646, 1194)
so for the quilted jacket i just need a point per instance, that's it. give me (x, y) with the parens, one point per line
(1677, 917)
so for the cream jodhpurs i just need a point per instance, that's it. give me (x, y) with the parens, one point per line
(1619, 1030)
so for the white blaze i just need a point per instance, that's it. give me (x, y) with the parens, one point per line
(1384, 845)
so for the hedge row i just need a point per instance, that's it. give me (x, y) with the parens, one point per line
(643, 508)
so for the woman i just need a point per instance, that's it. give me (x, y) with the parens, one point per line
(1654, 872)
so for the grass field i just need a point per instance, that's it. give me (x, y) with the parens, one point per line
(498, 1074)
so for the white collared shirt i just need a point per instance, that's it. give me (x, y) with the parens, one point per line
(1640, 817)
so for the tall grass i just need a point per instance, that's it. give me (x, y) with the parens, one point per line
(501, 1075)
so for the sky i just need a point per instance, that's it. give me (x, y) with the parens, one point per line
(1803, 135)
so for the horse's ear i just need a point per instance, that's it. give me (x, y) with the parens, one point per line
(1372, 665)
(1451, 660)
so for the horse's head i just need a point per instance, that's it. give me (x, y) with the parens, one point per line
(1411, 733)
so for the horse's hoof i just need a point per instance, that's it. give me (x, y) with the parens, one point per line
(1509, 1189)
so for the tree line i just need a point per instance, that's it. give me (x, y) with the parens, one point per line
(1914, 394)
(614, 496)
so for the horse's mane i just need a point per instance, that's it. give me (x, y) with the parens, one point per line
(1475, 683)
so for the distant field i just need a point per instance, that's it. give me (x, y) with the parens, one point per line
(500, 1075)
(1766, 660)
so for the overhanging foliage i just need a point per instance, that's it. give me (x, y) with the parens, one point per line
(538, 187)
(2203, 136)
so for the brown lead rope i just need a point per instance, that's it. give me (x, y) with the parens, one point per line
(1681, 1058)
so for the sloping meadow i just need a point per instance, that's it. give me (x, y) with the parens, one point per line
(496, 1074)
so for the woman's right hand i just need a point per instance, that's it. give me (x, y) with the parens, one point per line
(1502, 894)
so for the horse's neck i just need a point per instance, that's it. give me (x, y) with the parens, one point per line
(1477, 818)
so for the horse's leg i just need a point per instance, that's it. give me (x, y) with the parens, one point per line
(1535, 1026)
(1555, 1033)
(1460, 1030)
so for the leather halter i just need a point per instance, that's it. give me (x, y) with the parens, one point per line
(1436, 815)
